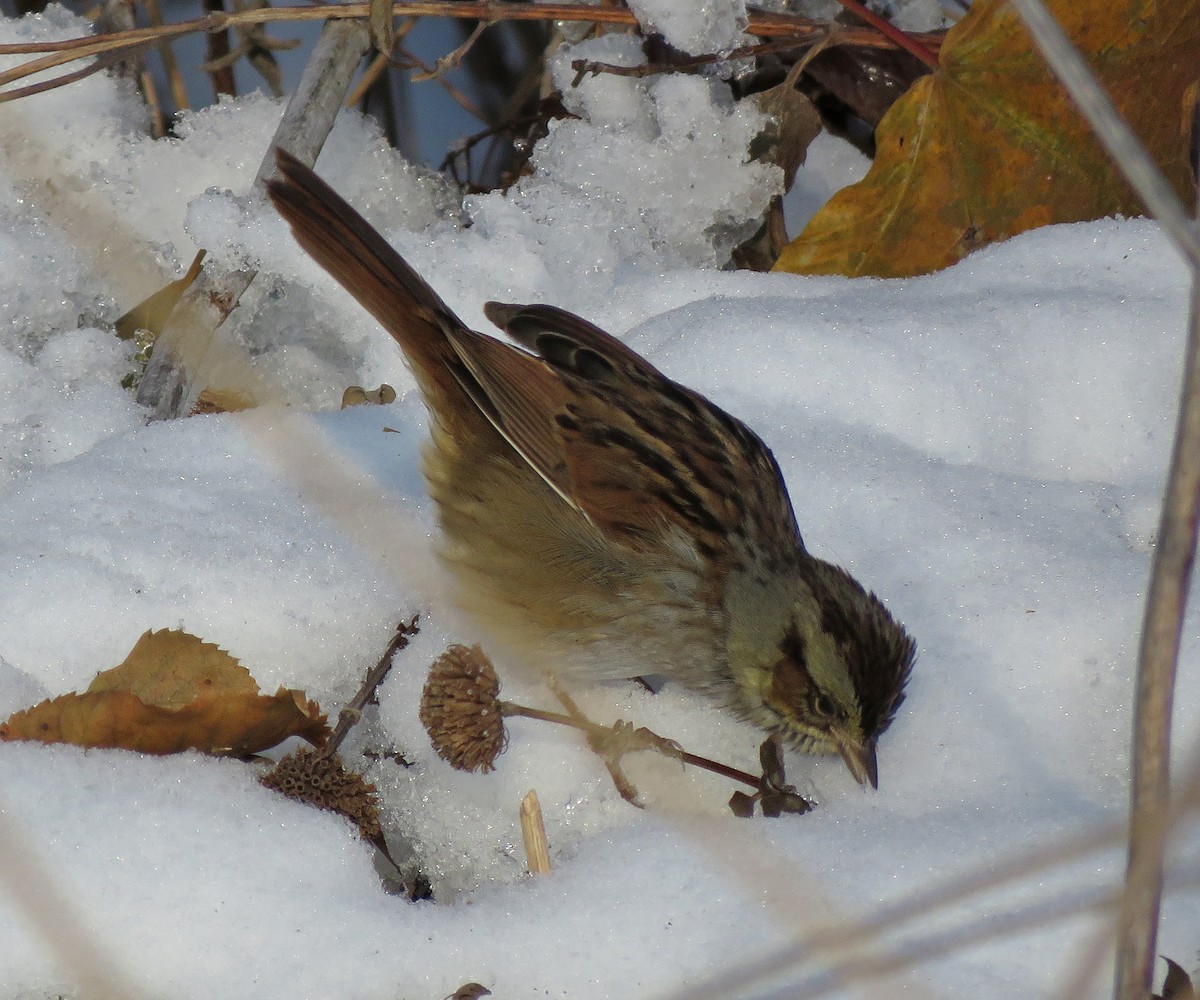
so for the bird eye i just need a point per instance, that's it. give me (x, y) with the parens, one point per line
(822, 704)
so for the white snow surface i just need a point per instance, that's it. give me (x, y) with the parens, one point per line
(984, 447)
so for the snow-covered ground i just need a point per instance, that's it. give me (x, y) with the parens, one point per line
(983, 447)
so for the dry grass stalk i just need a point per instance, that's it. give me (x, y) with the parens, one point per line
(1171, 567)
(533, 829)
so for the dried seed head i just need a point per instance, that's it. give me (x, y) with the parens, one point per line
(326, 783)
(460, 709)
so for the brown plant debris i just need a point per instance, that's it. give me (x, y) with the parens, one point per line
(460, 709)
(213, 400)
(533, 832)
(1178, 985)
(325, 782)
(356, 395)
(469, 991)
(350, 715)
(991, 145)
(774, 796)
(152, 313)
(173, 692)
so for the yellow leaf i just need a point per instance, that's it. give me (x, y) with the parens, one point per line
(990, 145)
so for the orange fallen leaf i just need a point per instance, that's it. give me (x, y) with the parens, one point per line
(238, 723)
(990, 145)
(173, 692)
(170, 668)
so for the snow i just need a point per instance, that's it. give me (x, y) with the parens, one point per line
(707, 26)
(830, 165)
(984, 447)
(659, 161)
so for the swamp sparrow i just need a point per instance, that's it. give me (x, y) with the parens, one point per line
(608, 522)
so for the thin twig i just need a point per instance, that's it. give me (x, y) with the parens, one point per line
(815, 46)
(378, 65)
(102, 62)
(1171, 569)
(583, 67)
(1158, 657)
(375, 69)
(762, 23)
(170, 64)
(348, 717)
(885, 27)
(766, 24)
(409, 60)
(158, 121)
(217, 46)
(593, 729)
(453, 59)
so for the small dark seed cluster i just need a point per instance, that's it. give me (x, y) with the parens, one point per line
(326, 783)
(460, 709)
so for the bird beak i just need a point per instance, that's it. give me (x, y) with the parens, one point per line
(860, 758)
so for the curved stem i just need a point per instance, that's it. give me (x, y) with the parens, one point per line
(891, 32)
(509, 708)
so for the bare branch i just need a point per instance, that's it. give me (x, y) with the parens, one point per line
(761, 23)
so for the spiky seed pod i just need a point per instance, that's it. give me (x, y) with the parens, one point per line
(326, 783)
(460, 709)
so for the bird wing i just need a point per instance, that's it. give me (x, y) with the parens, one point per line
(631, 450)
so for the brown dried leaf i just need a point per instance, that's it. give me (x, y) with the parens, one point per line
(173, 692)
(774, 796)
(795, 123)
(868, 81)
(239, 724)
(170, 668)
(742, 805)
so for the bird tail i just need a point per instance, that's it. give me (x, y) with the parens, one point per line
(349, 248)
